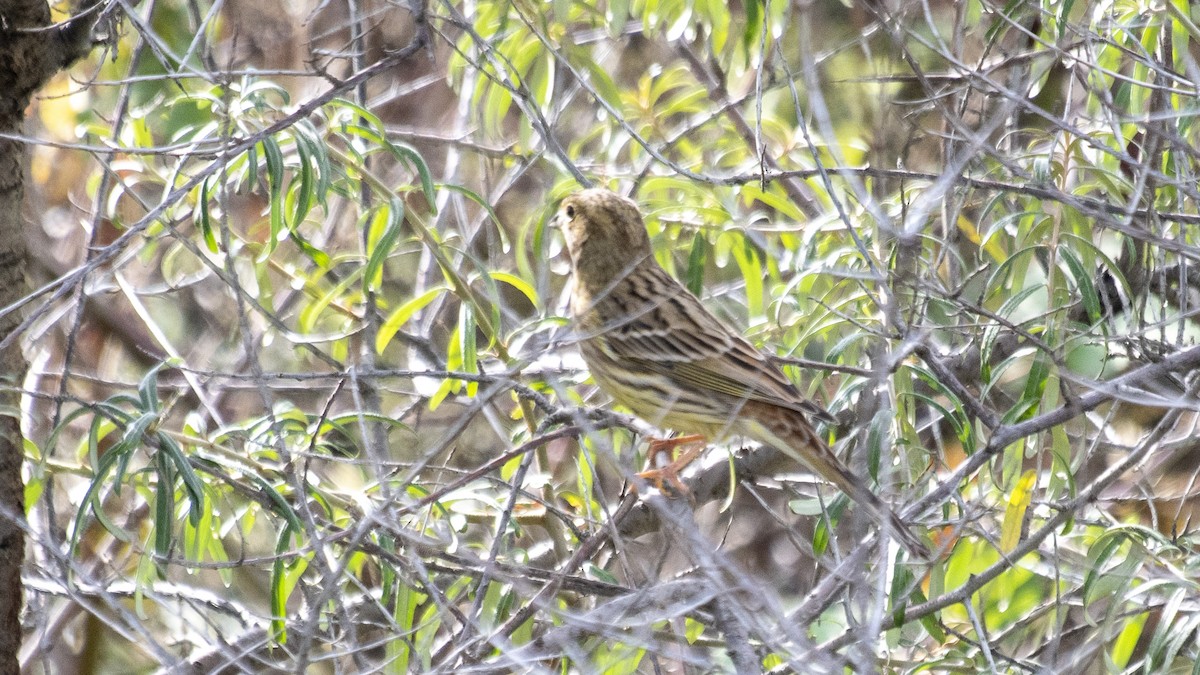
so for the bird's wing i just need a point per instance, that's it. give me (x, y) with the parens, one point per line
(672, 333)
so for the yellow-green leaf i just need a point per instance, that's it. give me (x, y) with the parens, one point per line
(1014, 514)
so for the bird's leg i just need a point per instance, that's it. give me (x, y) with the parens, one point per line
(693, 445)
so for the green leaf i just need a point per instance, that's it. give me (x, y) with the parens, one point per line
(402, 314)
(413, 158)
(312, 312)
(164, 507)
(518, 283)
(300, 193)
(879, 440)
(205, 219)
(284, 577)
(406, 602)
(754, 276)
(1014, 514)
(1126, 642)
(275, 179)
(317, 157)
(466, 333)
(191, 482)
(319, 257)
(281, 506)
(148, 389)
(753, 31)
(483, 203)
(696, 263)
(383, 233)
(1083, 281)
(598, 78)
(902, 580)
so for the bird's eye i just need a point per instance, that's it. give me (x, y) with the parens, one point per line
(570, 211)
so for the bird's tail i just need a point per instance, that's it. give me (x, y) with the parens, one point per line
(781, 429)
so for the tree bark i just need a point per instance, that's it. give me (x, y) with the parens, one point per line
(30, 53)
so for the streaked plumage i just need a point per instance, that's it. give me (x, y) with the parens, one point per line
(653, 347)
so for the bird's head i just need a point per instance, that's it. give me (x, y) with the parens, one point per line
(604, 233)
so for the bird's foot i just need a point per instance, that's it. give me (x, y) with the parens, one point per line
(661, 474)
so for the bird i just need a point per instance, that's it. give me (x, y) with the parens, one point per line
(653, 347)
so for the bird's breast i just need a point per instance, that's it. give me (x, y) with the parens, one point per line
(655, 397)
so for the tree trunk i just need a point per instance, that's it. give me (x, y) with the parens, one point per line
(28, 57)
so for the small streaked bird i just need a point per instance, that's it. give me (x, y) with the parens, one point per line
(653, 347)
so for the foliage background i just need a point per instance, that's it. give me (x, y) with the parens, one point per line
(303, 395)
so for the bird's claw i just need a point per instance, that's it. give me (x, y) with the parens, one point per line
(668, 474)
